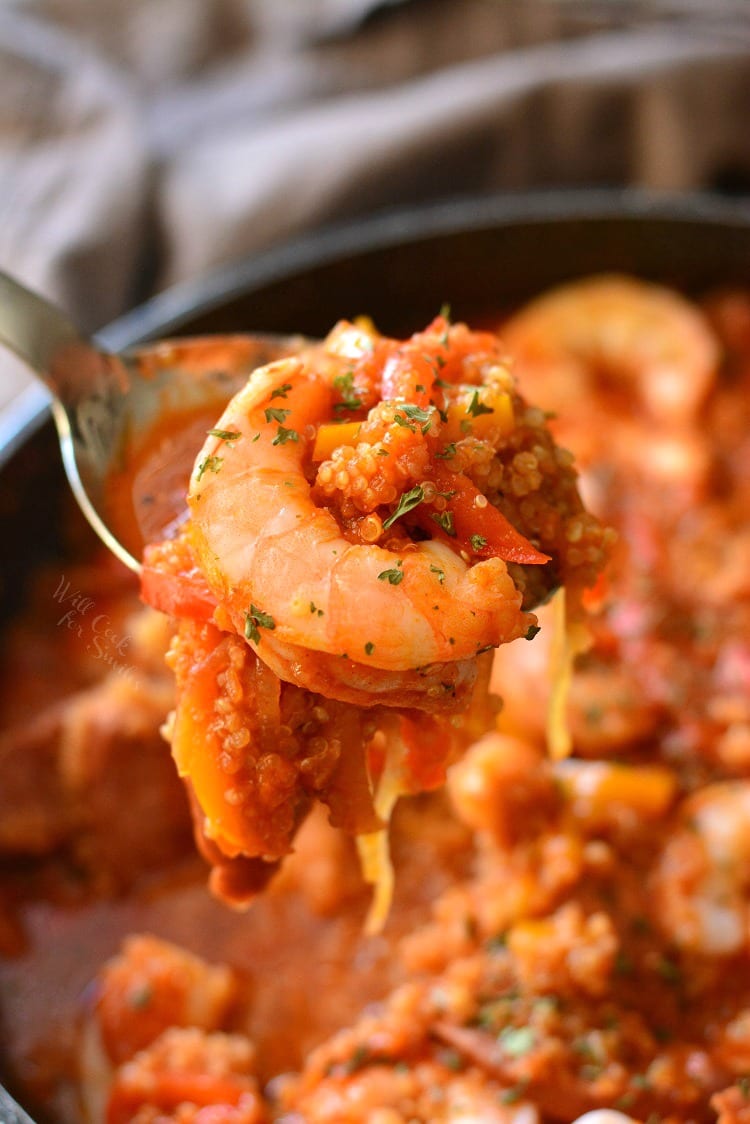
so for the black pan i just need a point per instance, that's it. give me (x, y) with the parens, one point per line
(478, 255)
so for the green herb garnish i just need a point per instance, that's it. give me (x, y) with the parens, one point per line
(517, 1040)
(448, 452)
(475, 407)
(416, 414)
(408, 501)
(225, 434)
(444, 519)
(255, 619)
(275, 413)
(350, 400)
(284, 435)
(210, 464)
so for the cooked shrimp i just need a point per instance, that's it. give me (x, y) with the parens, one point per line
(399, 623)
(702, 879)
(605, 1116)
(617, 335)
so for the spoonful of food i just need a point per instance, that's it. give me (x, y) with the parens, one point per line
(129, 424)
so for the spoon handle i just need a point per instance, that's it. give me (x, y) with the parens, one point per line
(35, 330)
(10, 1112)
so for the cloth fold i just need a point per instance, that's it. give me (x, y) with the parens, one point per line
(147, 143)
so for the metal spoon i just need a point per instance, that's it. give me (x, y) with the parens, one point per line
(104, 405)
(10, 1111)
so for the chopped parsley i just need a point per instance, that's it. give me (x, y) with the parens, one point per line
(451, 1059)
(669, 971)
(255, 619)
(415, 414)
(283, 435)
(350, 400)
(393, 576)
(280, 391)
(517, 1040)
(514, 1093)
(369, 648)
(444, 519)
(532, 630)
(478, 542)
(210, 464)
(440, 573)
(275, 413)
(358, 1060)
(475, 407)
(141, 997)
(315, 610)
(225, 434)
(448, 452)
(408, 501)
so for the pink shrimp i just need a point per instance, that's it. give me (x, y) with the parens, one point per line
(619, 335)
(398, 624)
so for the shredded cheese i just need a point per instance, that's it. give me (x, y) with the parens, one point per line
(570, 637)
(374, 848)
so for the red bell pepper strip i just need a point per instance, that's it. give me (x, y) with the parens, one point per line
(173, 584)
(477, 528)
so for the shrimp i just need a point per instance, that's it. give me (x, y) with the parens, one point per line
(701, 882)
(615, 336)
(296, 566)
(605, 1116)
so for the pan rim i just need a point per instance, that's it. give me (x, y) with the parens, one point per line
(164, 314)
(394, 226)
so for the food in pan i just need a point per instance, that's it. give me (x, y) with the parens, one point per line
(369, 520)
(568, 938)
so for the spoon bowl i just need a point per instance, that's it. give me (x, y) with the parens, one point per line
(129, 424)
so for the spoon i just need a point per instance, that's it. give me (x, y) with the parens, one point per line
(132, 422)
(10, 1111)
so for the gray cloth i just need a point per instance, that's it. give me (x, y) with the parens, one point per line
(144, 142)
